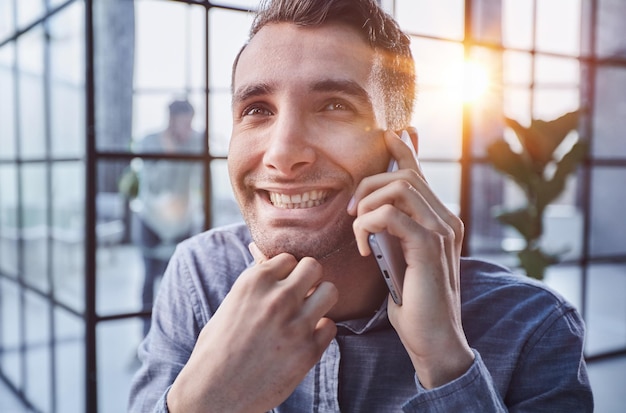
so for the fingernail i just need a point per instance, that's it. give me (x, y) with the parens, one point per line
(351, 203)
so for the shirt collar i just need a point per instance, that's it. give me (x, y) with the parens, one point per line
(362, 325)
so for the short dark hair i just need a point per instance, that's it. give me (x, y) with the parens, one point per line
(395, 68)
(179, 107)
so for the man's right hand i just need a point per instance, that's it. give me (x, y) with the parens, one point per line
(269, 331)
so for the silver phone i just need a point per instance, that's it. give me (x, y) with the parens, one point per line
(387, 249)
(388, 252)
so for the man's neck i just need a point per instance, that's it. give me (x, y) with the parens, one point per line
(360, 284)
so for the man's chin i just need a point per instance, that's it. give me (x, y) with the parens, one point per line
(272, 248)
(302, 241)
(319, 247)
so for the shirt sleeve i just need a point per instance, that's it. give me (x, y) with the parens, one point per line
(472, 392)
(550, 376)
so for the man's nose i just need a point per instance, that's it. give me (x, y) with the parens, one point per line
(289, 148)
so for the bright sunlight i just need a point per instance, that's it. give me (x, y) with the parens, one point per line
(468, 82)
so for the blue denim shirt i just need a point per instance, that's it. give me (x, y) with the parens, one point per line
(527, 340)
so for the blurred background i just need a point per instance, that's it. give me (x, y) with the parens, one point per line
(106, 106)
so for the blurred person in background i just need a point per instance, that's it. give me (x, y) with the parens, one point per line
(168, 195)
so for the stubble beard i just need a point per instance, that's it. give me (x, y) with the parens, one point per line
(302, 243)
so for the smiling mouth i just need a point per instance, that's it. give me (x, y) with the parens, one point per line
(307, 199)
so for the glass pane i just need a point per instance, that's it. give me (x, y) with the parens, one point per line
(566, 280)
(159, 205)
(443, 18)
(38, 357)
(439, 108)
(224, 48)
(445, 180)
(610, 40)
(174, 51)
(7, 25)
(9, 236)
(117, 343)
(10, 331)
(31, 94)
(552, 103)
(28, 11)
(487, 21)
(220, 121)
(54, 3)
(487, 194)
(563, 37)
(114, 57)
(67, 109)
(68, 217)
(554, 70)
(516, 104)
(517, 68)
(119, 266)
(35, 224)
(563, 228)
(7, 102)
(517, 24)
(608, 234)
(224, 207)
(609, 121)
(482, 95)
(163, 124)
(606, 315)
(69, 363)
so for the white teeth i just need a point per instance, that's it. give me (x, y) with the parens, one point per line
(305, 200)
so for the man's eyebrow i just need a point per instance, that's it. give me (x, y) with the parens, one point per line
(251, 91)
(348, 87)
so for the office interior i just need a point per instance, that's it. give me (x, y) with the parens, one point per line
(83, 81)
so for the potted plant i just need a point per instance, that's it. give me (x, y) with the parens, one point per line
(541, 177)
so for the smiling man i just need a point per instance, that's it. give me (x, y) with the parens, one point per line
(289, 312)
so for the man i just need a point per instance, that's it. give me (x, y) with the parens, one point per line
(301, 322)
(168, 195)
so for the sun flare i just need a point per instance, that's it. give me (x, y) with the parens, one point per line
(468, 82)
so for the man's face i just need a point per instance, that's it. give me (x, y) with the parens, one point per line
(305, 133)
(180, 125)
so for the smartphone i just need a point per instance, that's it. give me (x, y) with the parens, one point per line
(387, 249)
(388, 252)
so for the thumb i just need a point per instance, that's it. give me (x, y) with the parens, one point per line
(258, 256)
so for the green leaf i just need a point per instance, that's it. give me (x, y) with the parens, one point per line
(552, 188)
(541, 138)
(128, 184)
(571, 160)
(534, 261)
(508, 162)
(524, 221)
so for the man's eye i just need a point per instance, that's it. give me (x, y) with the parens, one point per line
(256, 111)
(337, 106)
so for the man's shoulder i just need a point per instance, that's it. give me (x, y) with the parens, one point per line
(214, 259)
(150, 140)
(217, 252)
(233, 237)
(483, 281)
